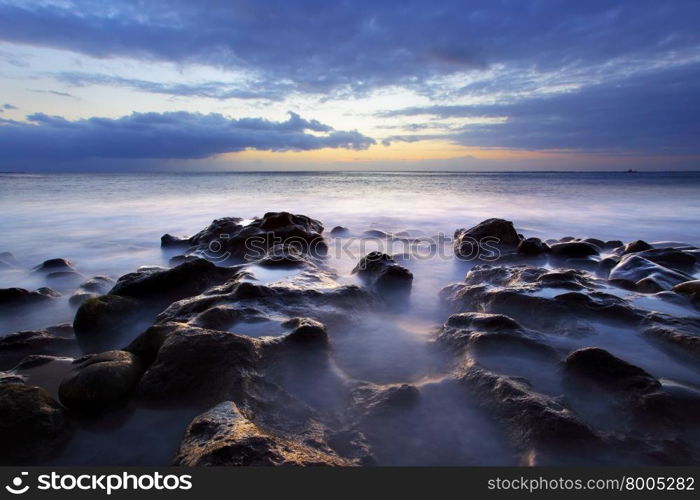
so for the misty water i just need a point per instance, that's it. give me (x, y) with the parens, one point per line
(111, 224)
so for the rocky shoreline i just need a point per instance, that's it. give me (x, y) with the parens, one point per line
(165, 338)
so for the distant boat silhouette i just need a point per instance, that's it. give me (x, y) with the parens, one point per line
(630, 171)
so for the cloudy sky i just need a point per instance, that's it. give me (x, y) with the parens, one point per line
(317, 84)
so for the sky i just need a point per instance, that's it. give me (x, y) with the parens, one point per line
(177, 85)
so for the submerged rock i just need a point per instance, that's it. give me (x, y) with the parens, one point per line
(33, 426)
(340, 231)
(100, 382)
(223, 436)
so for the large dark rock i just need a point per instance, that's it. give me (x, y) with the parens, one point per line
(541, 428)
(33, 426)
(102, 320)
(193, 364)
(531, 247)
(381, 272)
(100, 382)
(592, 367)
(229, 239)
(482, 333)
(223, 436)
(168, 285)
(55, 265)
(677, 342)
(635, 246)
(671, 257)
(14, 347)
(312, 293)
(645, 275)
(92, 288)
(19, 297)
(497, 231)
(573, 249)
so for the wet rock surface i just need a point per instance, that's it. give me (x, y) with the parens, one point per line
(99, 382)
(33, 426)
(268, 346)
(222, 436)
(382, 273)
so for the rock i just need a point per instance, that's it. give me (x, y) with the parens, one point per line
(596, 368)
(381, 272)
(100, 382)
(599, 244)
(612, 244)
(284, 256)
(193, 364)
(573, 249)
(306, 332)
(486, 334)
(223, 317)
(538, 426)
(94, 287)
(170, 241)
(376, 233)
(33, 426)
(636, 246)
(685, 344)
(691, 288)
(671, 258)
(168, 285)
(375, 402)
(15, 346)
(223, 436)
(19, 297)
(532, 247)
(54, 265)
(467, 242)
(229, 239)
(100, 320)
(645, 274)
(605, 266)
(340, 231)
(511, 291)
(313, 293)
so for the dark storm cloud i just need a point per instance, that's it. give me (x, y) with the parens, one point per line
(274, 91)
(322, 45)
(513, 50)
(164, 135)
(652, 113)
